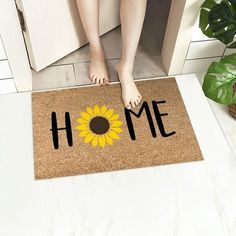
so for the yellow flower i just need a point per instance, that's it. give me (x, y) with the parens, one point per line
(99, 126)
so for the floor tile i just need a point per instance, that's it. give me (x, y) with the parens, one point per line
(82, 72)
(227, 123)
(54, 77)
(112, 46)
(184, 199)
(7, 86)
(145, 67)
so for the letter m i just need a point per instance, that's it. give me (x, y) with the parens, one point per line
(129, 121)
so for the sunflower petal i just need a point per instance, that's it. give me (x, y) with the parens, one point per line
(82, 121)
(115, 117)
(83, 127)
(90, 111)
(89, 137)
(83, 133)
(117, 129)
(95, 141)
(113, 134)
(116, 123)
(102, 140)
(109, 140)
(85, 115)
(103, 110)
(109, 113)
(96, 111)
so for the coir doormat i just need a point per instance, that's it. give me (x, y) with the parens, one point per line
(86, 130)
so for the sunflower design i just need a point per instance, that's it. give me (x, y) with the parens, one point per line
(99, 126)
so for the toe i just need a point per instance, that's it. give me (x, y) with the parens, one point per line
(97, 80)
(137, 102)
(92, 78)
(133, 103)
(127, 105)
(106, 81)
(103, 81)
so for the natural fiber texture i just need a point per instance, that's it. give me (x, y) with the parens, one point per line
(125, 153)
(232, 108)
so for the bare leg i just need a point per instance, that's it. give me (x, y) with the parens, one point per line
(89, 13)
(132, 14)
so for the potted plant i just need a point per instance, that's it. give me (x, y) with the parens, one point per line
(218, 20)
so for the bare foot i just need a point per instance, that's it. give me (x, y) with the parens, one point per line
(130, 94)
(98, 67)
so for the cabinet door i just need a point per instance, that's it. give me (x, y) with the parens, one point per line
(53, 28)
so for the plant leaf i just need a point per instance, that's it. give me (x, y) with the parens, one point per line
(232, 45)
(204, 22)
(219, 20)
(219, 80)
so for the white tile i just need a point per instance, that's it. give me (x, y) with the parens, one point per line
(205, 49)
(2, 51)
(196, 198)
(54, 77)
(197, 34)
(5, 71)
(198, 65)
(223, 117)
(7, 86)
(230, 51)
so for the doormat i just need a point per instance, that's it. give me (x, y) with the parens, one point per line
(87, 129)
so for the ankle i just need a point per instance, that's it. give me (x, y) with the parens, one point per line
(96, 47)
(124, 67)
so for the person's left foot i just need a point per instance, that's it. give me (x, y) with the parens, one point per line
(130, 94)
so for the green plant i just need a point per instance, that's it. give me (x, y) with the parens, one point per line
(218, 20)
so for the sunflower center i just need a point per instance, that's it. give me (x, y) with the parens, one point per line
(99, 125)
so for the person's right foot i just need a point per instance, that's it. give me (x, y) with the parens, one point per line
(98, 68)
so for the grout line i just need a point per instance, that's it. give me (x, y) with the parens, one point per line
(201, 58)
(80, 62)
(66, 64)
(3, 60)
(74, 74)
(6, 78)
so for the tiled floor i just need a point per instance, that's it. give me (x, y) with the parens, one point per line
(196, 198)
(227, 123)
(73, 69)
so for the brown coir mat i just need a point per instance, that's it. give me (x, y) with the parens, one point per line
(86, 130)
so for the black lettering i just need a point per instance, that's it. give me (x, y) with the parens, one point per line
(130, 123)
(55, 129)
(158, 116)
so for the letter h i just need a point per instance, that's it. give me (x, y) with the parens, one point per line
(55, 129)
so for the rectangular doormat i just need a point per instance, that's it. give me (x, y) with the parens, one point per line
(87, 130)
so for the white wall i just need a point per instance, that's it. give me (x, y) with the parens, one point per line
(7, 84)
(202, 52)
